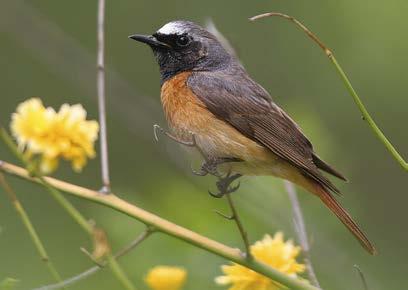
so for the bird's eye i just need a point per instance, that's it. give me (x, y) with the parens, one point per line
(182, 40)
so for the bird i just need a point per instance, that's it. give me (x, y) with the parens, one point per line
(210, 102)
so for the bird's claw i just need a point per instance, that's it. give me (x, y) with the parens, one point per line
(207, 168)
(199, 172)
(216, 195)
(157, 128)
(224, 186)
(210, 166)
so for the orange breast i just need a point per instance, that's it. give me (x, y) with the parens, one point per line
(187, 115)
(184, 112)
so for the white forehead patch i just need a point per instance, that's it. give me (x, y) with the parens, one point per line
(172, 28)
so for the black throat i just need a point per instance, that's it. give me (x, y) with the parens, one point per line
(171, 65)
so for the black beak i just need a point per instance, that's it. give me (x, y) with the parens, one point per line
(150, 40)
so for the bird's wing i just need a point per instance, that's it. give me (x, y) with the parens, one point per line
(239, 101)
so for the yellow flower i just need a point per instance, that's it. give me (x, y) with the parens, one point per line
(166, 278)
(274, 252)
(51, 135)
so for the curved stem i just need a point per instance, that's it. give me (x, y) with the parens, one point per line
(366, 116)
(362, 277)
(30, 228)
(164, 226)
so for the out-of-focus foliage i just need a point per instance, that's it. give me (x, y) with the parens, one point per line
(8, 284)
(48, 49)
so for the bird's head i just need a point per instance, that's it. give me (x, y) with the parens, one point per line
(185, 46)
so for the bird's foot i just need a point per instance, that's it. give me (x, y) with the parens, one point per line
(224, 185)
(157, 128)
(207, 168)
(210, 166)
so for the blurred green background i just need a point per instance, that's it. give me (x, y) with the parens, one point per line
(48, 49)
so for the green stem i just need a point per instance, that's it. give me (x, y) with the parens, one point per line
(119, 273)
(240, 226)
(366, 116)
(72, 211)
(30, 228)
(58, 196)
(164, 226)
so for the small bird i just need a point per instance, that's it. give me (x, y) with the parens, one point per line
(210, 102)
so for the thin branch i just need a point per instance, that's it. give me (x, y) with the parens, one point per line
(300, 229)
(91, 257)
(85, 274)
(30, 228)
(234, 216)
(366, 116)
(119, 273)
(102, 97)
(71, 280)
(162, 225)
(362, 277)
(143, 236)
(101, 250)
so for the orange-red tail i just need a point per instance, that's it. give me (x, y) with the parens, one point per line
(345, 218)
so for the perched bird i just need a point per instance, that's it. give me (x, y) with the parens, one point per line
(210, 102)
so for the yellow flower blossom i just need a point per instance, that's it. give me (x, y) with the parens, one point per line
(53, 135)
(166, 278)
(274, 252)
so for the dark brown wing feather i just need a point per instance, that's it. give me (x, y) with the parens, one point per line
(326, 167)
(238, 100)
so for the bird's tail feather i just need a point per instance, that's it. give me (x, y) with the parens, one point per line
(329, 200)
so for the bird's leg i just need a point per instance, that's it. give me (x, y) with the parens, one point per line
(157, 128)
(210, 165)
(207, 167)
(224, 185)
